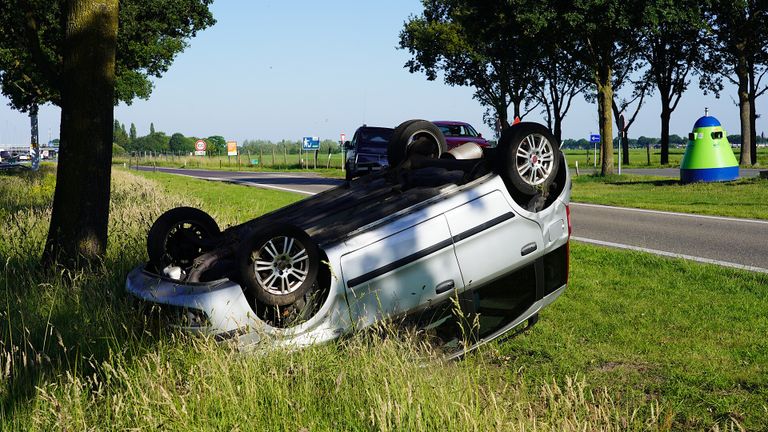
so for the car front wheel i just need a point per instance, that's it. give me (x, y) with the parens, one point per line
(279, 264)
(179, 236)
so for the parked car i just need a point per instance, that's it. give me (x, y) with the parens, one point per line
(367, 152)
(5, 156)
(457, 133)
(434, 234)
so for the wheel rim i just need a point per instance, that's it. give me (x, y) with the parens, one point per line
(535, 157)
(281, 265)
(182, 244)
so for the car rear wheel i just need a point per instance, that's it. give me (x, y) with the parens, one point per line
(529, 157)
(179, 236)
(279, 264)
(415, 137)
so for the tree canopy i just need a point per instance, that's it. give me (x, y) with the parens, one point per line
(150, 35)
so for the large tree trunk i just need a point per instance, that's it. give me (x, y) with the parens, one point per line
(81, 201)
(745, 159)
(604, 111)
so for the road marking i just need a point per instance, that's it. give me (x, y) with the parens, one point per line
(241, 182)
(273, 187)
(671, 254)
(690, 215)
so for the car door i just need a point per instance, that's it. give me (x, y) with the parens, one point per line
(497, 250)
(491, 239)
(402, 271)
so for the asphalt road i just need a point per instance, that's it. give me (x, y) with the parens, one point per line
(739, 243)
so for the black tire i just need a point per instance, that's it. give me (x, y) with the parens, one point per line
(279, 264)
(529, 158)
(415, 136)
(179, 236)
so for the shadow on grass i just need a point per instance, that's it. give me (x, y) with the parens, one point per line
(58, 324)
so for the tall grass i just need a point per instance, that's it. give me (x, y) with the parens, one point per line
(76, 354)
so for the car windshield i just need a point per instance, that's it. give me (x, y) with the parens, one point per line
(462, 130)
(375, 137)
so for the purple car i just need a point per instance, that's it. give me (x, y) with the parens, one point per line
(457, 133)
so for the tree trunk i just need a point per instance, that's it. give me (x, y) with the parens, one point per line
(752, 127)
(604, 112)
(558, 130)
(665, 115)
(34, 139)
(745, 159)
(80, 215)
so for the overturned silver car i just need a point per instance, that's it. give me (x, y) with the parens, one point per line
(462, 246)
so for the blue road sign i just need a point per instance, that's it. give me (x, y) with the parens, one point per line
(310, 143)
(594, 138)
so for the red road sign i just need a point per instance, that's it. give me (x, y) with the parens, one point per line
(343, 137)
(200, 145)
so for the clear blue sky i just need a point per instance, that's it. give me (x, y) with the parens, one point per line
(287, 69)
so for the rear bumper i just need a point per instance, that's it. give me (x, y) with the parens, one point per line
(223, 303)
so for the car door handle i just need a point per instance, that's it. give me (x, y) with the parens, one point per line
(529, 248)
(444, 286)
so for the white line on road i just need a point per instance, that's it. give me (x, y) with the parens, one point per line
(671, 254)
(690, 215)
(273, 187)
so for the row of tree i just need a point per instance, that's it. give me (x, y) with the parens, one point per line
(643, 141)
(159, 142)
(540, 54)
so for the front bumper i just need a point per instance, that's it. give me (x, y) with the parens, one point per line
(226, 310)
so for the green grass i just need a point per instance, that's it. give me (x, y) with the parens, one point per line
(282, 163)
(228, 203)
(637, 342)
(744, 198)
(638, 158)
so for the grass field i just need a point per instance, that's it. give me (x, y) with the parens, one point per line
(745, 198)
(638, 158)
(637, 342)
(326, 166)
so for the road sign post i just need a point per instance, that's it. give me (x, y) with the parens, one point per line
(594, 139)
(200, 147)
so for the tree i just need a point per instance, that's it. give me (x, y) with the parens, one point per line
(48, 53)
(81, 199)
(180, 143)
(217, 145)
(132, 134)
(119, 136)
(490, 46)
(563, 79)
(607, 45)
(157, 142)
(151, 128)
(738, 45)
(671, 35)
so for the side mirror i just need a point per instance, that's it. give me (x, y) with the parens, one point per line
(347, 145)
(479, 135)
